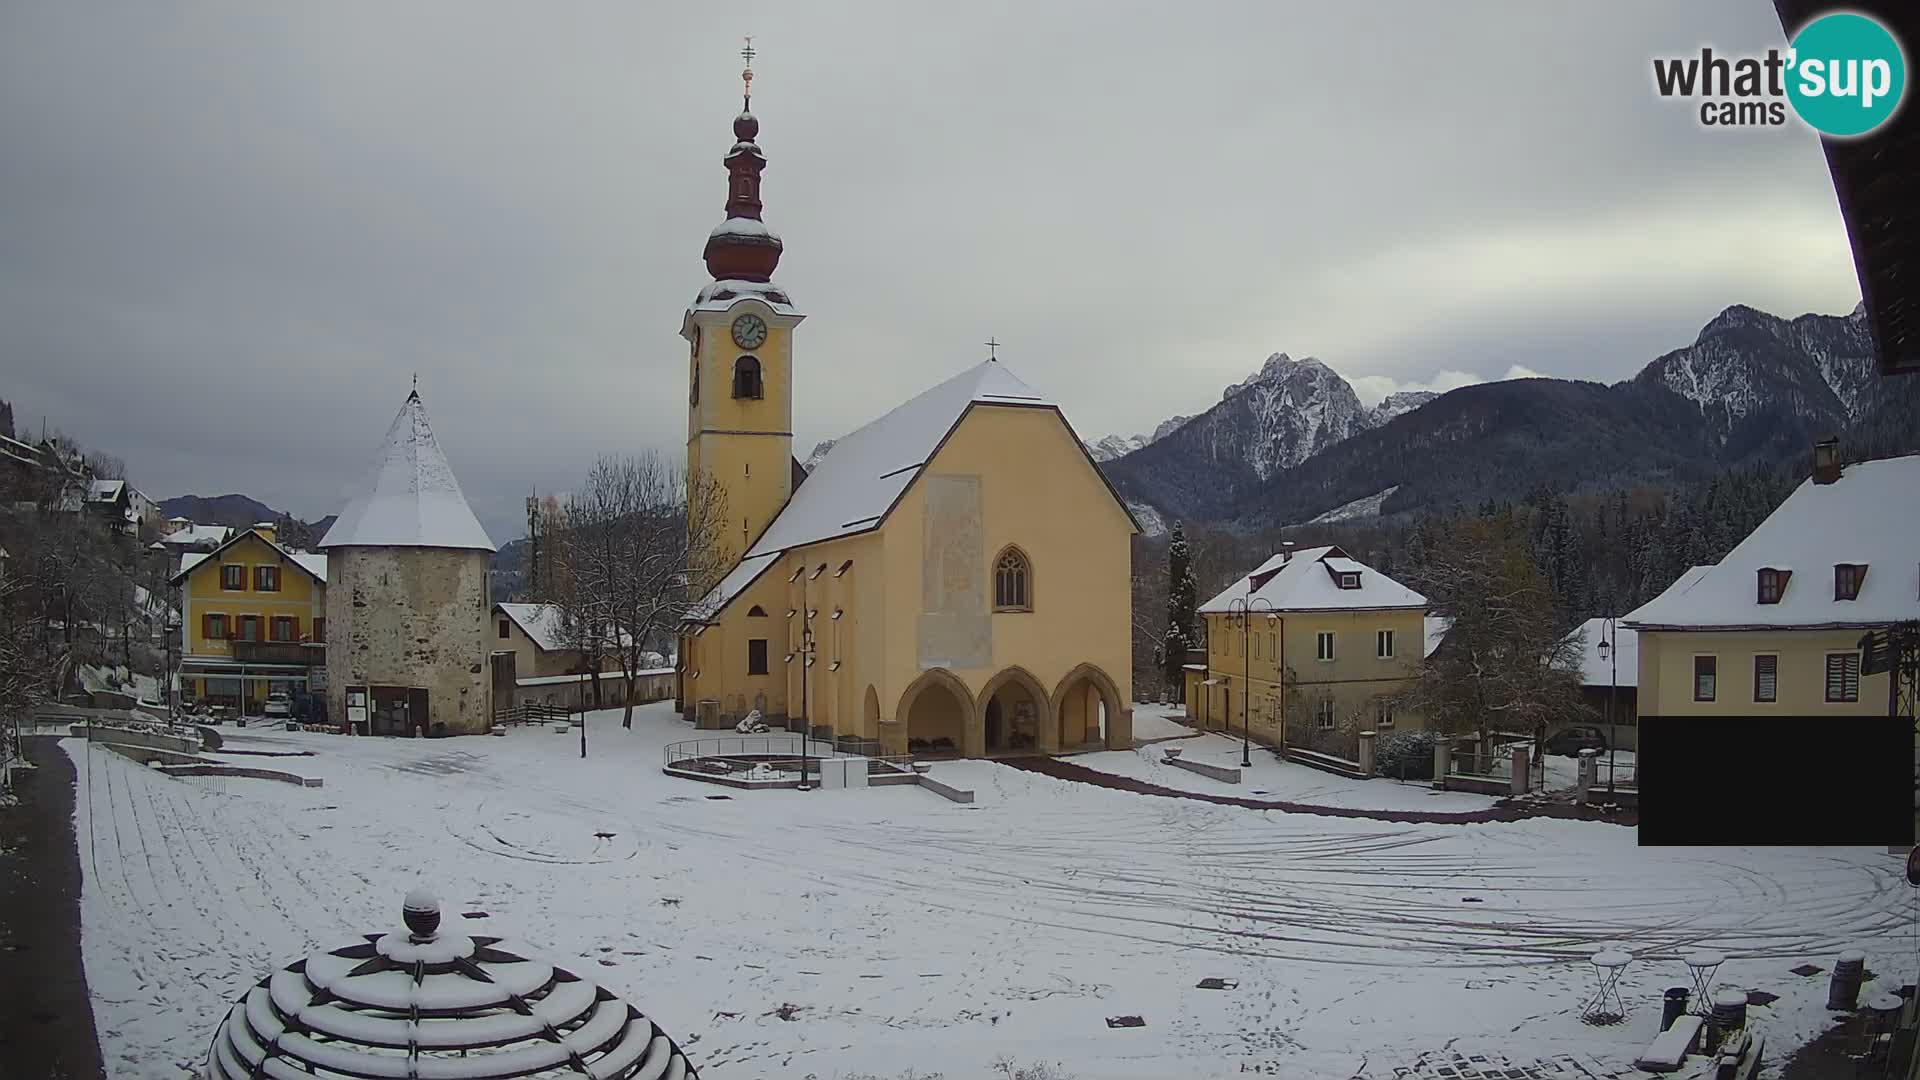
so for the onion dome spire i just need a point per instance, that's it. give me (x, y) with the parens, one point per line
(742, 248)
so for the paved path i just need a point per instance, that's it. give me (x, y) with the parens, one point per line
(46, 1015)
(1506, 810)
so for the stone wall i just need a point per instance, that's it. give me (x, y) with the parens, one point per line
(411, 617)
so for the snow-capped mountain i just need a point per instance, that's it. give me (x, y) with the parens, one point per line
(1292, 444)
(1114, 446)
(1749, 372)
(819, 451)
(1399, 404)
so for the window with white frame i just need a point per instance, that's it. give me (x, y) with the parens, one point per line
(1843, 676)
(1323, 714)
(1383, 713)
(1323, 645)
(1383, 644)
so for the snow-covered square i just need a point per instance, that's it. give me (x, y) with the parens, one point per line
(872, 932)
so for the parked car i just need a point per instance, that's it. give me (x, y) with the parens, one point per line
(278, 707)
(1570, 741)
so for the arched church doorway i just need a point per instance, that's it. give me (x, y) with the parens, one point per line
(1083, 706)
(936, 708)
(1013, 712)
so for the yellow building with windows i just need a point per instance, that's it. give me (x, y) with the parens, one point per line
(1310, 649)
(253, 621)
(952, 578)
(1774, 628)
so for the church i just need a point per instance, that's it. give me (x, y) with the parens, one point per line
(953, 578)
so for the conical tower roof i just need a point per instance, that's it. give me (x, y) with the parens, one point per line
(412, 499)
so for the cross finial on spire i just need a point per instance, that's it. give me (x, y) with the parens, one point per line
(993, 348)
(746, 75)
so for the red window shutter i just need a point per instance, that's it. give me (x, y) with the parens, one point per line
(206, 626)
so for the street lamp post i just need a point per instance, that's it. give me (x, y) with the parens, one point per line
(171, 628)
(583, 713)
(1243, 608)
(1610, 649)
(806, 661)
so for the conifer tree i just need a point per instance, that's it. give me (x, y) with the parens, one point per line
(1182, 598)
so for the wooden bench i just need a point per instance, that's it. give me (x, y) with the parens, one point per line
(1671, 1047)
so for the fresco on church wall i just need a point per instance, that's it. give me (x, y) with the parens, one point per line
(955, 628)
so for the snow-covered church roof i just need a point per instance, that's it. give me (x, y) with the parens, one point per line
(859, 480)
(1868, 517)
(412, 498)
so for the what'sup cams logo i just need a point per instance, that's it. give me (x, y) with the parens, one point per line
(1843, 74)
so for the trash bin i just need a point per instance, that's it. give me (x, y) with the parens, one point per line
(1844, 990)
(1673, 1006)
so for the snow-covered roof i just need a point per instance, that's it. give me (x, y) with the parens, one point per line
(197, 535)
(412, 498)
(743, 574)
(1302, 583)
(1869, 516)
(723, 294)
(743, 226)
(1598, 670)
(854, 486)
(614, 671)
(1436, 632)
(105, 490)
(312, 562)
(544, 624)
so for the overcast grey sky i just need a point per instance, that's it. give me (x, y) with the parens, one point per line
(229, 232)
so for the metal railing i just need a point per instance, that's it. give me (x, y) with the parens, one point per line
(780, 751)
(534, 713)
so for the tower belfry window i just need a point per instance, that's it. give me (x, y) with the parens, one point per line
(746, 378)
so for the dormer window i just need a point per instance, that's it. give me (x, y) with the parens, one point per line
(1349, 581)
(746, 379)
(1773, 584)
(1847, 579)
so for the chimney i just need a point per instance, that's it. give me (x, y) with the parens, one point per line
(1826, 460)
(265, 529)
(1286, 551)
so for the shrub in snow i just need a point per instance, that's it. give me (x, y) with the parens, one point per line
(751, 724)
(1405, 755)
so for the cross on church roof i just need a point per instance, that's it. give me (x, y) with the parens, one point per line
(746, 75)
(993, 349)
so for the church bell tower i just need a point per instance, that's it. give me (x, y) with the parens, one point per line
(739, 333)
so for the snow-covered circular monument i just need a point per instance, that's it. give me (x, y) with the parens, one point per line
(421, 1003)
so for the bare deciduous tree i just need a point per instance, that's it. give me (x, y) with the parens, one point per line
(624, 549)
(1504, 663)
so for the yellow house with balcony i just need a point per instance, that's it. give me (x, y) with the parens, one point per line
(952, 578)
(253, 619)
(1308, 650)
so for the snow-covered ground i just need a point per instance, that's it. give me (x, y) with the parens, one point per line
(1152, 722)
(1273, 779)
(914, 933)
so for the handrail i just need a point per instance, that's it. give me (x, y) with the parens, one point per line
(775, 745)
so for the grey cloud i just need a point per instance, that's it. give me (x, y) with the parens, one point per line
(231, 235)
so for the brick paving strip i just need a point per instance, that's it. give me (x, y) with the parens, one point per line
(46, 1014)
(1505, 810)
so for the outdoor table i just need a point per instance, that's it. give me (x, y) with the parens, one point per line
(1702, 965)
(1607, 966)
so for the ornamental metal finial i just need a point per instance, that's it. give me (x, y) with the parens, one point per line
(746, 75)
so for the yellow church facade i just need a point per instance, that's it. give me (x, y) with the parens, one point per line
(952, 578)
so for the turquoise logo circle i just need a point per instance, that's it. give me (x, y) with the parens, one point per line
(1846, 74)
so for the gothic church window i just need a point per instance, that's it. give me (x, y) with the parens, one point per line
(1012, 581)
